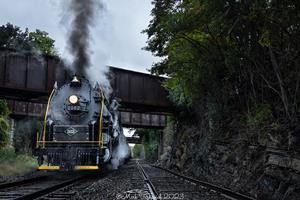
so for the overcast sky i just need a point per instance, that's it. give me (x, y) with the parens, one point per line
(117, 32)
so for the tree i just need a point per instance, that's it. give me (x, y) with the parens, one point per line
(4, 126)
(232, 65)
(43, 42)
(220, 52)
(150, 143)
(138, 151)
(13, 37)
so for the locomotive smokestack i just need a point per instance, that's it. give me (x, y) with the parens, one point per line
(83, 14)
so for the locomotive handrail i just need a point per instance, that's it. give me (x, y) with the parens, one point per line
(45, 118)
(37, 139)
(101, 135)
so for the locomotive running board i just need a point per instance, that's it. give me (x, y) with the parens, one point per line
(86, 167)
(45, 167)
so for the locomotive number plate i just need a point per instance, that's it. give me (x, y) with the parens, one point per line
(71, 131)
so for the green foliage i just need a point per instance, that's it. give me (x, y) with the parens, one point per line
(168, 132)
(43, 42)
(178, 91)
(4, 126)
(13, 37)
(15, 164)
(4, 111)
(4, 137)
(25, 135)
(150, 142)
(259, 114)
(138, 151)
(229, 54)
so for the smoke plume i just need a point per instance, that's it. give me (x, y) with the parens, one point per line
(121, 152)
(83, 13)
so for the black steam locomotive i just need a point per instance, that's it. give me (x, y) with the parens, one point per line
(81, 128)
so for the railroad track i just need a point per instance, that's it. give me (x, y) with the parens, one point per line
(152, 192)
(42, 187)
(165, 184)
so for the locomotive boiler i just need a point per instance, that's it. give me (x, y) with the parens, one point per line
(81, 128)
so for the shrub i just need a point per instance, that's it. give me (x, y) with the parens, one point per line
(12, 163)
(150, 142)
(25, 134)
(4, 126)
(259, 114)
(138, 151)
(4, 111)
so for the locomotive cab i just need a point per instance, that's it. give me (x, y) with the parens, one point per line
(77, 130)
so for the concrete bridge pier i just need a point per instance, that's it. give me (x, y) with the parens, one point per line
(160, 148)
(12, 125)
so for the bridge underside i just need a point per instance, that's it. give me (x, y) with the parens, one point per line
(134, 140)
(128, 119)
(26, 81)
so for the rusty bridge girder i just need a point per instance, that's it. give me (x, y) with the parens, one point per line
(27, 80)
(139, 91)
(128, 119)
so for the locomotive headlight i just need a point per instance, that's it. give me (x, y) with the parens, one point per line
(73, 99)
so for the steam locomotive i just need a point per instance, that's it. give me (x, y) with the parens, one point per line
(81, 129)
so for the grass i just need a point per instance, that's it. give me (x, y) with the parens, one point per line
(12, 164)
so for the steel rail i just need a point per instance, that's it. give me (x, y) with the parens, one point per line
(222, 190)
(150, 185)
(22, 182)
(50, 189)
